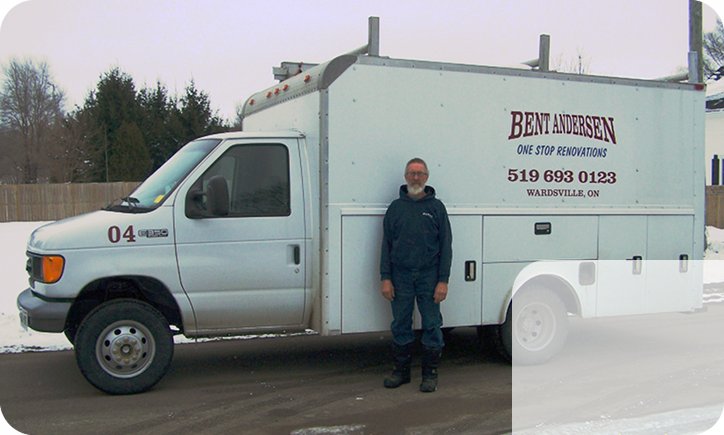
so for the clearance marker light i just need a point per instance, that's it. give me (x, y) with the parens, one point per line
(307, 78)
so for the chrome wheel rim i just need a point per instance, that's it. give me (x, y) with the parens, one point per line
(125, 349)
(535, 326)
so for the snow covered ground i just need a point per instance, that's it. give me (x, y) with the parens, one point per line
(14, 237)
(714, 266)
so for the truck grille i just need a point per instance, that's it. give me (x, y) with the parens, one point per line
(34, 267)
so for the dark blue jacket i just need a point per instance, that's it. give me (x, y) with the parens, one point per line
(417, 236)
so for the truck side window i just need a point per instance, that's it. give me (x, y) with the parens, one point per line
(257, 177)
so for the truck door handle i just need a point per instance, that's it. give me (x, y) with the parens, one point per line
(637, 264)
(683, 263)
(297, 255)
(470, 270)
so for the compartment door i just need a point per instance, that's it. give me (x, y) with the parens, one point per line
(463, 306)
(621, 266)
(363, 307)
(673, 281)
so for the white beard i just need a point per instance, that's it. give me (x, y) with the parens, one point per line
(415, 190)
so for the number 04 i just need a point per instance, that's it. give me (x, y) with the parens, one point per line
(114, 234)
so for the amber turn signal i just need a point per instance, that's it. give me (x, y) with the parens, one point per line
(52, 268)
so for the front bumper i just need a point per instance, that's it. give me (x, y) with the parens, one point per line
(43, 314)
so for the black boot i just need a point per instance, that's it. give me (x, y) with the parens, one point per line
(430, 363)
(402, 357)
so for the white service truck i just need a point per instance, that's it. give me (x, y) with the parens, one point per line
(559, 188)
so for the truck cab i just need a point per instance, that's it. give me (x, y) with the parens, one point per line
(216, 242)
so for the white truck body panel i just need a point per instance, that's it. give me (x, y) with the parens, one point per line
(609, 188)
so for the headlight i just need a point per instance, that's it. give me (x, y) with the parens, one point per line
(47, 269)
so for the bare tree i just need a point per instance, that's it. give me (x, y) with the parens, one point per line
(8, 150)
(579, 64)
(714, 52)
(31, 107)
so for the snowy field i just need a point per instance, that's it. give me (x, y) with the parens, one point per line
(14, 236)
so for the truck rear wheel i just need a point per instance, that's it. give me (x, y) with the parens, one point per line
(536, 327)
(124, 347)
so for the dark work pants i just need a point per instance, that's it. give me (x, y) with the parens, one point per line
(420, 286)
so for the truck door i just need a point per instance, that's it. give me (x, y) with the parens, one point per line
(247, 269)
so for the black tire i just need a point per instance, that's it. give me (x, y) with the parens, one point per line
(503, 337)
(535, 329)
(491, 342)
(70, 332)
(124, 347)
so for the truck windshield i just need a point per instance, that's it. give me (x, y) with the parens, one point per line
(152, 192)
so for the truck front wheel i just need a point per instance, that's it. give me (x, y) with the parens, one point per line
(536, 327)
(124, 347)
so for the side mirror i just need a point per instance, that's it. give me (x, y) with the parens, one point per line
(217, 199)
(217, 196)
(194, 209)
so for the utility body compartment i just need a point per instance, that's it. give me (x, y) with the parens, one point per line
(532, 167)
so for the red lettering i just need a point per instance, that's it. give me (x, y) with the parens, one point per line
(597, 134)
(589, 127)
(516, 125)
(528, 124)
(608, 130)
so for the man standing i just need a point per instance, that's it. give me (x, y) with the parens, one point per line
(415, 265)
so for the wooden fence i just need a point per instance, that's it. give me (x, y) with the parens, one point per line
(49, 202)
(715, 206)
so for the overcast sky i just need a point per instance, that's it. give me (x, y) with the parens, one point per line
(229, 47)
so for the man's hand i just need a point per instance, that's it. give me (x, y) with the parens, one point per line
(440, 292)
(388, 290)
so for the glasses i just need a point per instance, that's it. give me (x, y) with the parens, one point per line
(416, 174)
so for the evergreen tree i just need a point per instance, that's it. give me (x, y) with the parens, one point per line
(77, 139)
(120, 134)
(113, 105)
(195, 115)
(129, 159)
(159, 123)
(115, 102)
